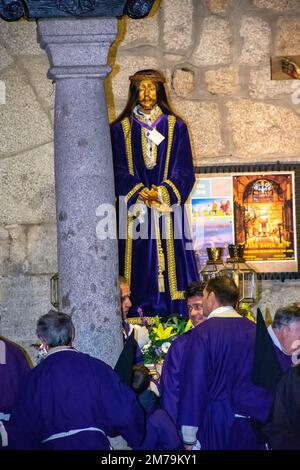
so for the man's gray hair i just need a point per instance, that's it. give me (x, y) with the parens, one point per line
(55, 328)
(286, 315)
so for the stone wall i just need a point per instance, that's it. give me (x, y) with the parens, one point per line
(216, 56)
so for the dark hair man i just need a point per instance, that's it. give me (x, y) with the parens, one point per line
(216, 375)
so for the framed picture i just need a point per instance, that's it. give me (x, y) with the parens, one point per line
(257, 206)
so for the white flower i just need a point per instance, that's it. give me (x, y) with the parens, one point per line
(165, 347)
(141, 335)
(146, 347)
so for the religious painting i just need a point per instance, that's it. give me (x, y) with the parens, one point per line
(264, 216)
(212, 215)
(256, 209)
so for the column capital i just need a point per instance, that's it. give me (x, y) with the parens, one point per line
(77, 48)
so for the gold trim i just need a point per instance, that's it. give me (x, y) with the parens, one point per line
(127, 137)
(134, 190)
(140, 321)
(175, 293)
(176, 192)
(165, 195)
(160, 254)
(128, 250)
(171, 124)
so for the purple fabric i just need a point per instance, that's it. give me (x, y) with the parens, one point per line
(161, 433)
(216, 383)
(12, 373)
(147, 126)
(71, 390)
(144, 272)
(253, 436)
(170, 377)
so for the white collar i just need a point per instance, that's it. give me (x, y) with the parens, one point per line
(60, 349)
(151, 117)
(274, 338)
(224, 312)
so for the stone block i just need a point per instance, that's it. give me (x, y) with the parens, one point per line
(183, 81)
(126, 65)
(223, 81)
(24, 124)
(23, 299)
(257, 39)
(262, 130)
(215, 43)
(42, 248)
(6, 58)
(36, 70)
(204, 122)
(218, 6)
(20, 38)
(27, 191)
(4, 249)
(177, 25)
(288, 37)
(278, 5)
(261, 86)
(135, 33)
(18, 262)
(275, 294)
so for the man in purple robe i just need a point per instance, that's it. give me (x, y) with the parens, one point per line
(285, 334)
(169, 381)
(274, 349)
(14, 365)
(72, 401)
(216, 386)
(154, 176)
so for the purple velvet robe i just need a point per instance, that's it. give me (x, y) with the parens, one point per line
(170, 377)
(216, 385)
(161, 433)
(73, 391)
(12, 373)
(174, 174)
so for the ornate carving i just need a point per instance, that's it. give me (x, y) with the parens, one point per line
(76, 7)
(15, 9)
(138, 8)
(12, 9)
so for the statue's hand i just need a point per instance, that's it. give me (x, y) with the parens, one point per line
(290, 67)
(153, 196)
(144, 194)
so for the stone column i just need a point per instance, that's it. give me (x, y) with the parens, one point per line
(77, 50)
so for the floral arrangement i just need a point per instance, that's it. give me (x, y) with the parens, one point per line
(162, 331)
